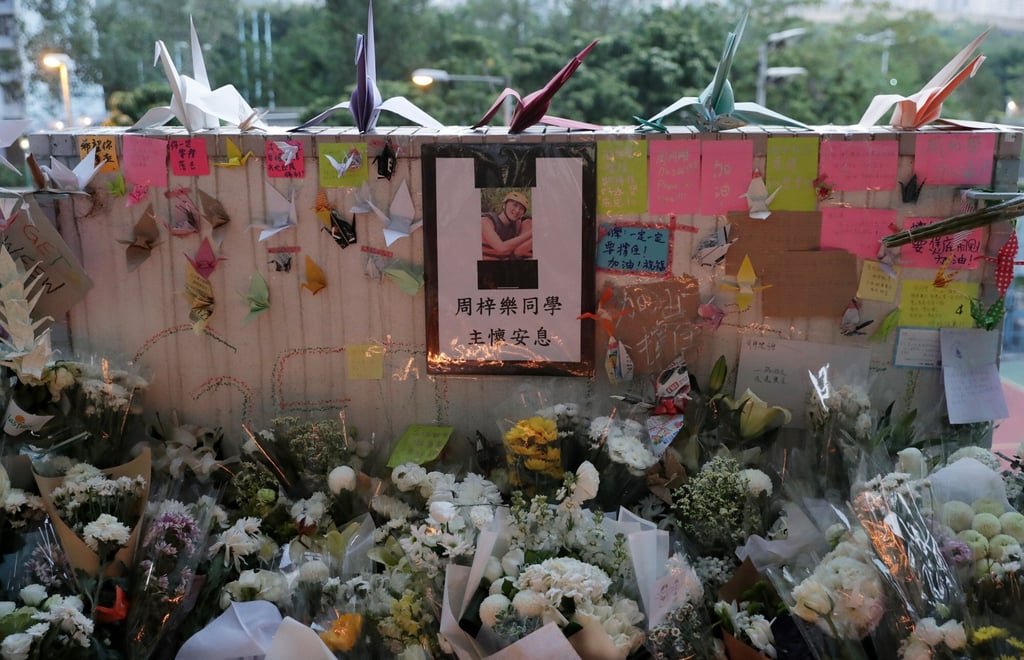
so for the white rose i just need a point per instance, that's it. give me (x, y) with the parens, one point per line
(16, 646)
(492, 607)
(927, 630)
(341, 478)
(953, 634)
(529, 603)
(442, 511)
(33, 595)
(915, 649)
(587, 482)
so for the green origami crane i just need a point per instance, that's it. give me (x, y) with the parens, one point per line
(716, 107)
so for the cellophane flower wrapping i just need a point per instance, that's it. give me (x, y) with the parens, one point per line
(620, 450)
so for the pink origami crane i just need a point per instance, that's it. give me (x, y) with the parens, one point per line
(532, 108)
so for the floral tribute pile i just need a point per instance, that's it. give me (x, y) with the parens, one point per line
(582, 530)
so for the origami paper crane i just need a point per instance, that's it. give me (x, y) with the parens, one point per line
(399, 220)
(924, 107)
(758, 198)
(11, 130)
(532, 109)
(258, 297)
(712, 249)
(280, 213)
(288, 151)
(9, 209)
(65, 179)
(716, 108)
(315, 280)
(215, 214)
(205, 260)
(605, 314)
(235, 157)
(193, 102)
(199, 294)
(851, 324)
(711, 315)
(746, 279)
(145, 236)
(184, 214)
(365, 102)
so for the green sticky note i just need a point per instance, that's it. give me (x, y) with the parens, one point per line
(348, 158)
(621, 177)
(419, 444)
(364, 361)
(792, 167)
(924, 305)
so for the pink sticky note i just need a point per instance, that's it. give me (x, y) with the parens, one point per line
(282, 164)
(955, 158)
(188, 156)
(858, 231)
(673, 177)
(932, 252)
(144, 160)
(860, 165)
(725, 169)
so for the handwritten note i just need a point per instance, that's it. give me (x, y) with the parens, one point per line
(106, 149)
(635, 249)
(860, 164)
(876, 284)
(285, 166)
(420, 444)
(621, 177)
(364, 361)
(974, 392)
(725, 169)
(965, 250)
(957, 158)
(144, 160)
(792, 167)
(343, 165)
(778, 370)
(858, 231)
(673, 177)
(188, 156)
(925, 305)
(917, 348)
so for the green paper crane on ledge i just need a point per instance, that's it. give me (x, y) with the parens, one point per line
(716, 108)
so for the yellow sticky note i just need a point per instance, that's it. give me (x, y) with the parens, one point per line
(419, 444)
(876, 284)
(343, 164)
(106, 148)
(364, 361)
(621, 177)
(792, 167)
(924, 305)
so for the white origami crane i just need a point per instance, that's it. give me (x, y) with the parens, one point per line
(280, 213)
(11, 130)
(758, 198)
(193, 102)
(9, 208)
(288, 151)
(66, 179)
(399, 221)
(924, 107)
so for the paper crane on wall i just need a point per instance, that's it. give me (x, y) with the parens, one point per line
(195, 105)
(365, 103)
(532, 109)
(716, 108)
(745, 281)
(916, 110)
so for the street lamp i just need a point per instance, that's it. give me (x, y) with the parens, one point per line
(63, 63)
(427, 77)
(764, 72)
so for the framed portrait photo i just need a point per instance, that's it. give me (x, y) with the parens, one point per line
(510, 233)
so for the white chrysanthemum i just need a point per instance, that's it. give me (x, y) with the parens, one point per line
(492, 570)
(481, 515)
(6, 607)
(408, 476)
(492, 608)
(474, 489)
(105, 529)
(513, 561)
(442, 512)
(957, 515)
(240, 540)
(980, 454)
(565, 577)
(953, 634)
(987, 524)
(529, 603)
(1012, 523)
(757, 482)
(341, 478)
(310, 511)
(33, 595)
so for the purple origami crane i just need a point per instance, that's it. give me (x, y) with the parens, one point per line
(532, 108)
(365, 103)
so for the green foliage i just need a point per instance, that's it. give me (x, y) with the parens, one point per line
(127, 107)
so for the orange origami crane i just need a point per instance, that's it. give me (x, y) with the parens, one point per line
(925, 106)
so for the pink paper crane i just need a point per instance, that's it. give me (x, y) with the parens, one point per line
(532, 108)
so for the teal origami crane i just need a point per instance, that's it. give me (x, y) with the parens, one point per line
(716, 107)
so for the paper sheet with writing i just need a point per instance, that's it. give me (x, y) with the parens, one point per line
(858, 231)
(876, 284)
(923, 304)
(777, 370)
(621, 177)
(974, 392)
(954, 158)
(725, 169)
(860, 164)
(917, 348)
(792, 166)
(673, 179)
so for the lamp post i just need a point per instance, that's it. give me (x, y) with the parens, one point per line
(63, 63)
(427, 77)
(764, 72)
